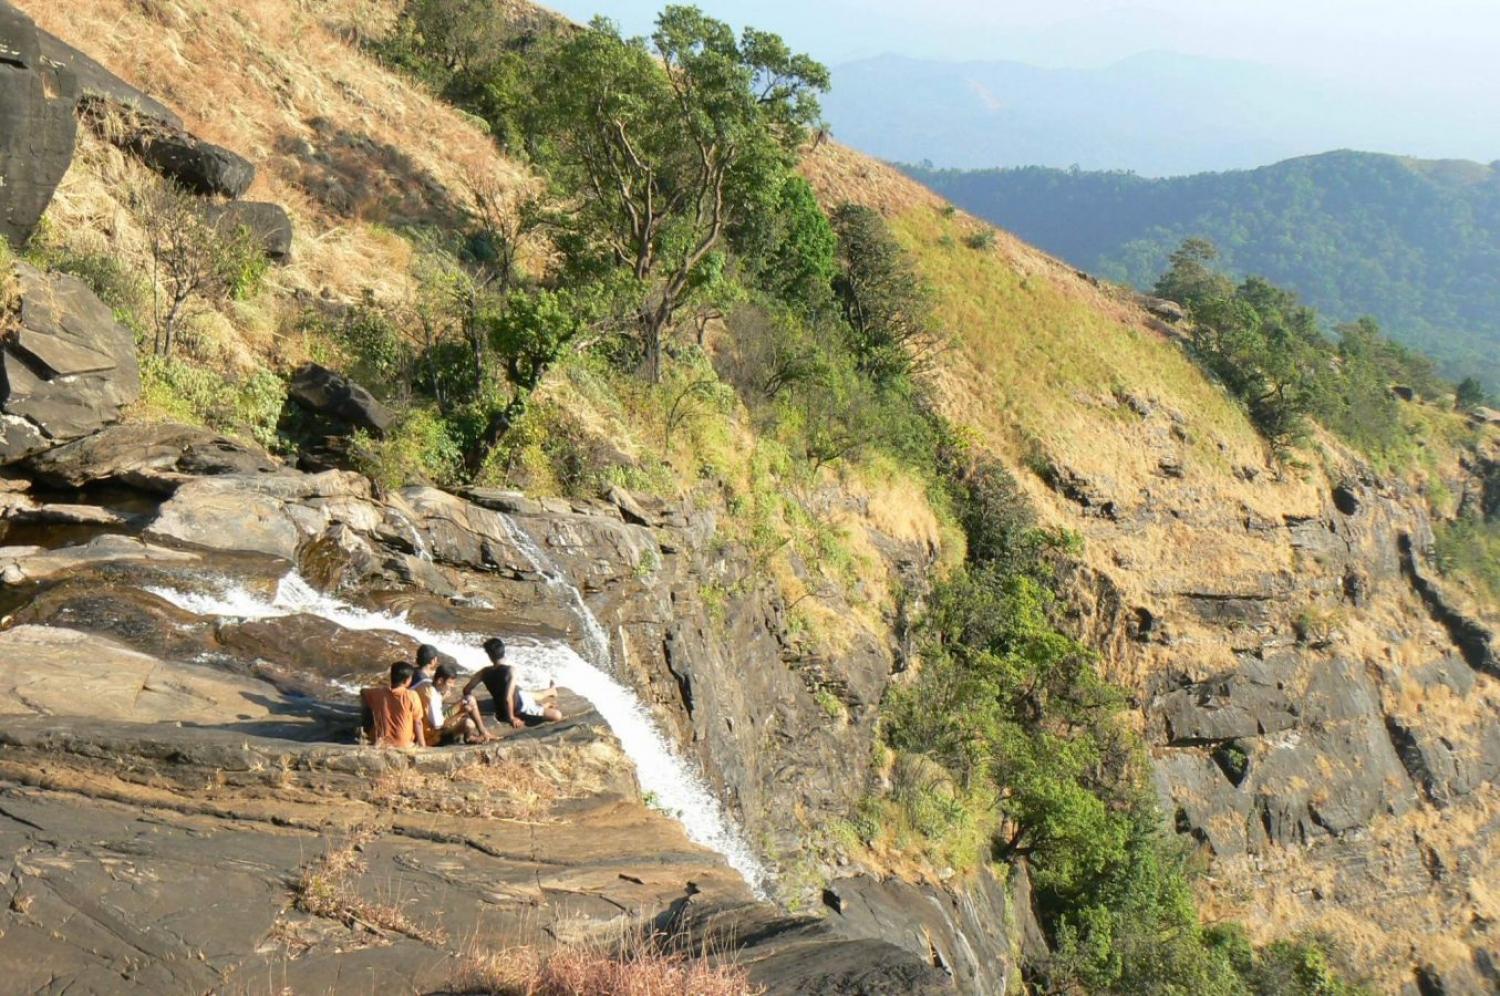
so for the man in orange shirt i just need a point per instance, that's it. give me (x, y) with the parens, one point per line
(394, 715)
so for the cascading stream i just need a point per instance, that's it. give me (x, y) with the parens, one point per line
(661, 770)
(594, 635)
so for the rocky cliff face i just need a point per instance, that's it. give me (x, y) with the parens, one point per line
(1322, 715)
(222, 725)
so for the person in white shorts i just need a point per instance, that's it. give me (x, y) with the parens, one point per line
(513, 704)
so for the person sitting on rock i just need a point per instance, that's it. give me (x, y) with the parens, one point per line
(394, 714)
(422, 684)
(513, 704)
(464, 725)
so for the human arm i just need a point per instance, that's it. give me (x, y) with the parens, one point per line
(508, 706)
(416, 712)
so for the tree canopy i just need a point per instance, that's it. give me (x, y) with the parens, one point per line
(664, 144)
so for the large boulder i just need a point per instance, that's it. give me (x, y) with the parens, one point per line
(37, 128)
(269, 225)
(198, 166)
(67, 368)
(323, 392)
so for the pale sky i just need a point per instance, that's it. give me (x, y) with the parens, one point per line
(1450, 48)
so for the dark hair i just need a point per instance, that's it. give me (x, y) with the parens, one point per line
(495, 647)
(401, 673)
(426, 654)
(445, 672)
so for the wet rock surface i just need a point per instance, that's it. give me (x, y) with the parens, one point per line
(174, 701)
(171, 815)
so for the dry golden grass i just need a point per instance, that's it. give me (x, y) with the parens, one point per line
(497, 788)
(324, 889)
(640, 969)
(348, 148)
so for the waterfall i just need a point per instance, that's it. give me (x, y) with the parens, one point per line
(663, 773)
(418, 544)
(595, 638)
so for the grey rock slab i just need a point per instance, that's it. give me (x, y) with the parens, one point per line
(121, 451)
(69, 367)
(37, 126)
(269, 226)
(19, 565)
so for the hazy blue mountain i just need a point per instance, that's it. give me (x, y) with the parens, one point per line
(1156, 113)
(1415, 243)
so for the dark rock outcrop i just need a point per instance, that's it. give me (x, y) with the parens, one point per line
(269, 225)
(197, 166)
(68, 366)
(1475, 641)
(974, 934)
(37, 126)
(334, 396)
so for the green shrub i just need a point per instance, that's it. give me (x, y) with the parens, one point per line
(241, 263)
(418, 449)
(982, 240)
(199, 395)
(884, 303)
(1468, 548)
(1469, 394)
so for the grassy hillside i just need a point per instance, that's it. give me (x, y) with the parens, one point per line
(1413, 243)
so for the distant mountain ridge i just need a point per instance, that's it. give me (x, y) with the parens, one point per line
(1158, 113)
(1414, 243)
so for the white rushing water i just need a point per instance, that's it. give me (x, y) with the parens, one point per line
(594, 635)
(662, 771)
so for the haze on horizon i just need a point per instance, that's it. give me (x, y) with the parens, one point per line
(1433, 60)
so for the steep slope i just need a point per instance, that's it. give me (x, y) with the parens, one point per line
(1414, 243)
(1314, 727)
(350, 150)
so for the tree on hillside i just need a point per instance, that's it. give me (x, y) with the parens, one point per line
(882, 298)
(1192, 277)
(667, 144)
(1470, 394)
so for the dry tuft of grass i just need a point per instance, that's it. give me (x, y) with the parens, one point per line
(324, 889)
(495, 788)
(588, 970)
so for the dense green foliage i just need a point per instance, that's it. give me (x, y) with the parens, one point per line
(668, 145)
(1269, 350)
(1415, 244)
(881, 297)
